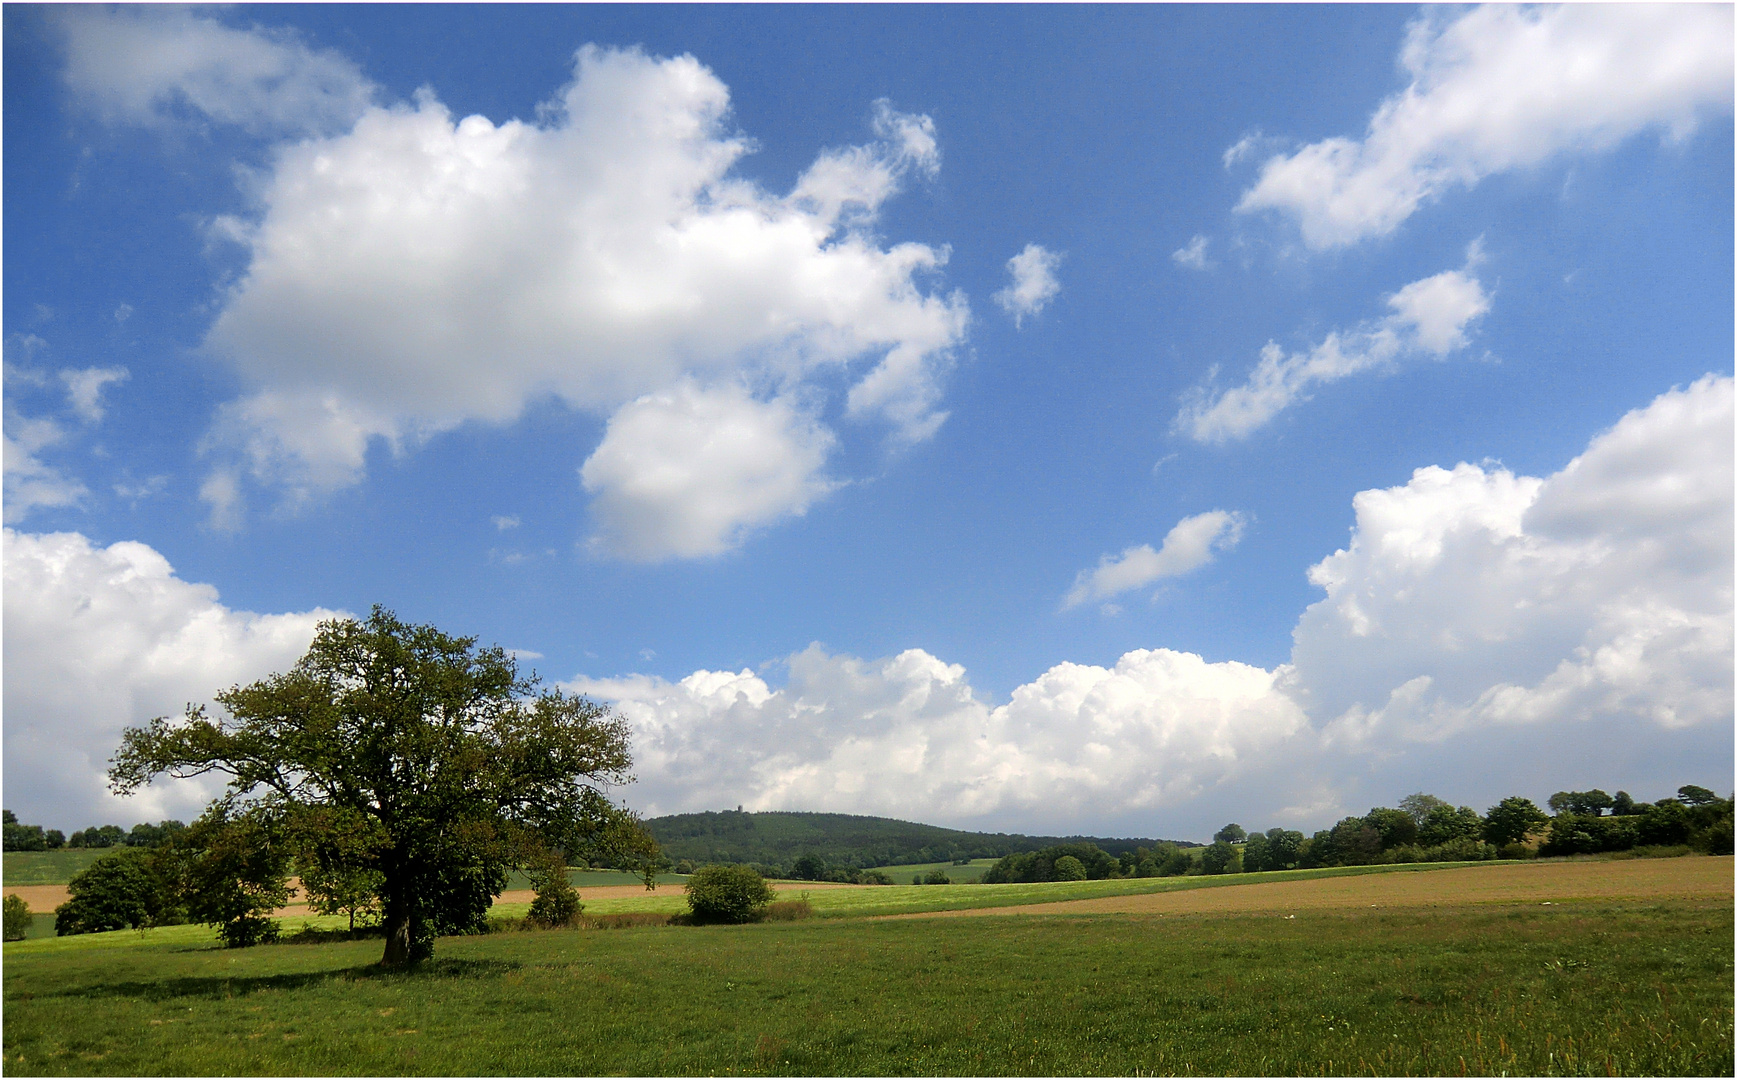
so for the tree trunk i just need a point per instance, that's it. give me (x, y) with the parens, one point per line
(398, 922)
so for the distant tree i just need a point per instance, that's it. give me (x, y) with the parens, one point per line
(1693, 795)
(439, 747)
(939, 877)
(1255, 853)
(1395, 827)
(1445, 824)
(729, 894)
(18, 918)
(126, 889)
(1174, 862)
(808, 867)
(1622, 804)
(1284, 849)
(1230, 834)
(1218, 858)
(1069, 868)
(1418, 806)
(55, 838)
(1509, 821)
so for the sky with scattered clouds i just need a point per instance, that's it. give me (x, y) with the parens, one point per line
(1116, 420)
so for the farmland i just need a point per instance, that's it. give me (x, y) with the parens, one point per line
(1624, 970)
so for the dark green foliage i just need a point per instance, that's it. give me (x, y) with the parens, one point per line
(727, 894)
(1255, 853)
(939, 877)
(1284, 849)
(103, 836)
(231, 872)
(1395, 827)
(1581, 803)
(17, 918)
(1041, 865)
(1418, 806)
(450, 767)
(1230, 834)
(1219, 858)
(841, 841)
(557, 901)
(1622, 803)
(1510, 820)
(1443, 824)
(1694, 795)
(20, 837)
(1069, 868)
(808, 867)
(126, 889)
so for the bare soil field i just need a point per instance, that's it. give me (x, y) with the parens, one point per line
(40, 897)
(1535, 883)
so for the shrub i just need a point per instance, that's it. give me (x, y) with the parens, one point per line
(939, 877)
(115, 892)
(557, 901)
(18, 918)
(729, 894)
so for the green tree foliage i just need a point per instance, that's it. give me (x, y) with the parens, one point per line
(1444, 824)
(808, 867)
(127, 889)
(1230, 834)
(1510, 820)
(336, 852)
(726, 893)
(1583, 803)
(21, 837)
(556, 902)
(1622, 804)
(1284, 849)
(1256, 853)
(1418, 807)
(1396, 828)
(1040, 865)
(1694, 795)
(18, 918)
(231, 872)
(451, 763)
(1219, 858)
(1069, 868)
(1173, 861)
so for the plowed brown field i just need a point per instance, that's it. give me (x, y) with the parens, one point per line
(1534, 883)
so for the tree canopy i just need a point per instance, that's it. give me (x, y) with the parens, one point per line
(435, 761)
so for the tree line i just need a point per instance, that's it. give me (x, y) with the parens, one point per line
(1422, 828)
(20, 837)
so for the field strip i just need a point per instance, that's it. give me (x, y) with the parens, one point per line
(40, 897)
(1631, 879)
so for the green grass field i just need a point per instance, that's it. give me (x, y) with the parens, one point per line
(48, 867)
(1637, 988)
(970, 872)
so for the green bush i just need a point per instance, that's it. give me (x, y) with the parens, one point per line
(18, 918)
(939, 877)
(557, 901)
(116, 892)
(729, 894)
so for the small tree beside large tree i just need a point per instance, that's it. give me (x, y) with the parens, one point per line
(402, 754)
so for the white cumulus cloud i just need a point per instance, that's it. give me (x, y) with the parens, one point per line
(1191, 544)
(688, 472)
(99, 639)
(1428, 316)
(908, 737)
(420, 271)
(156, 65)
(1034, 284)
(1502, 87)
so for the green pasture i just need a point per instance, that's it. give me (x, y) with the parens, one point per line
(48, 867)
(1642, 988)
(970, 872)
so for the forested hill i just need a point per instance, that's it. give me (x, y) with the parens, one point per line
(776, 838)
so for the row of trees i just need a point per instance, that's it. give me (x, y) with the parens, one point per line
(21, 837)
(396, 768)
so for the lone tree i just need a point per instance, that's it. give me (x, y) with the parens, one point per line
(443, 766)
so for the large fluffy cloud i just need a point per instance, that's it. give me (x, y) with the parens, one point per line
(908, 736)
(1428, 317)
(1502, 87)
(1483, 633)
(98, 639)
(423, 270)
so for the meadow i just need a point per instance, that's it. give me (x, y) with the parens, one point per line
(1639, 985)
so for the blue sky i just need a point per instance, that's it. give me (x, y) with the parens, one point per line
(951, 413)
